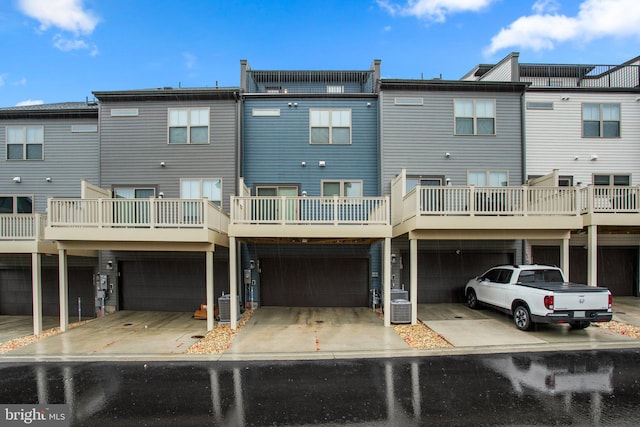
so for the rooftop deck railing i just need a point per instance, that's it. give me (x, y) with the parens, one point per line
(587, 76)
(604, 199)
(22, 226)
(301, 81)
(298, 210)
(137, 213)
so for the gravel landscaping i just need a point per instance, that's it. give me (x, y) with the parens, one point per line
(620, 328)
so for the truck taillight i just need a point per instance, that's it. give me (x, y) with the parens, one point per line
(548, 302)
(610, 301)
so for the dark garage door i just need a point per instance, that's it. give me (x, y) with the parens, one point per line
(314, 282)
(442, 275)
(168, 284)
(617, 266)
(16, 292)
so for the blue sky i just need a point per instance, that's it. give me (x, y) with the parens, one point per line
(62, 50)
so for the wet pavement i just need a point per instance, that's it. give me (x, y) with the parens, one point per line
(587, 388)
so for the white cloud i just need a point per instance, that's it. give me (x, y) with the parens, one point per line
(595, 19)
(190, 60)
(21, 82)
(30, 102)
(548, 6)
(67, 45)
(68, 15)
(433, 10)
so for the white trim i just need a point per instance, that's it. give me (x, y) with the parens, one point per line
(410, 101)
(265, 112)
(84, 128)
(124, 112)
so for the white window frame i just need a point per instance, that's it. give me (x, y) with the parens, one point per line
(411, 101)
(265, 112)
(329, 122)
(342, 183)
(474, 116)
(201, 181)
(612, 179)
(188, 125)
(24, 142)
(84, 128)
(539, 105)
(601, 120)
(488, 174)
(15, 203)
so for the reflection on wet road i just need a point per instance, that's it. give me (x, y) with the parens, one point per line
(559, 388)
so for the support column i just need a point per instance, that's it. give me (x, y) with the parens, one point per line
(413, 286)
(64, 289)
(387, 282)
(564, 258)
(233, 283)
(210, 287)
(36, 285)
(592, 255)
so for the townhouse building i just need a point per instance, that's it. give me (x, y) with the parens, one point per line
(310, 222)
(581, 123)
(46, 151)
(168, 166)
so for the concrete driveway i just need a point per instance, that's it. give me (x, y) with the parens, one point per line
(464, 327)
(20, 326)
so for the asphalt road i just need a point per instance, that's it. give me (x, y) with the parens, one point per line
(555, 388)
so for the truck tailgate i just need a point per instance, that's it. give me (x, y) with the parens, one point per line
(576, 300)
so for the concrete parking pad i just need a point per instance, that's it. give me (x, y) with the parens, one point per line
(314, 330)
(123, 332)
(20, 326)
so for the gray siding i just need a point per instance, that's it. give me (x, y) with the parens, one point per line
(68, 158)
(132, 148)
(417, 137)
(275, 147)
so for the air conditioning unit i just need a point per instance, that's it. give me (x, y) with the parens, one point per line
(399, 294)
(224, 308)
(400, 311)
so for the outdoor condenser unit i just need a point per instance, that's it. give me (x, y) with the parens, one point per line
(224, 308)
(399, 294)
(400, 311)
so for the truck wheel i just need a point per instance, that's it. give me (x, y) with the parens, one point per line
(522, 318)
(472, 300)
(579, 325)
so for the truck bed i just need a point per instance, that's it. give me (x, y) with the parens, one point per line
(560, 287)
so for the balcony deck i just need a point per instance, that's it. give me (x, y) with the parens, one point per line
(512, 212)
(148, 224)
(24, 233)
(310, 217)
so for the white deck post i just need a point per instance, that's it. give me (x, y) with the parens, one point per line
(564, 258)
(387, 281)
(413, 286)
(210, 288)
(64, 289)
(36, 283)
(592, 255)
(233, 283)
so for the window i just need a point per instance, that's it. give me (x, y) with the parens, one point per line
(202, 188)
(16, 204)
(133, 193)
(563, 180)
(413, 181)
(265, 112)
(342, 188)
(600, 120)
(335, 89)
(124, 112)
(25, 143)
(612, 180)
(189, 126)
(488, 178)
(475, 117)
(330, 126)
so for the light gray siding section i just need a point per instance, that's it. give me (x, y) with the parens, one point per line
(417, 137)
(554, 137)
(69, 157)
(132, 148)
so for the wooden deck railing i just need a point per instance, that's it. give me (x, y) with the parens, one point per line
(137, 213)
(22, 226)
(297, 210)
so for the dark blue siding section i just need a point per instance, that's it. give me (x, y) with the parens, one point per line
(275, 147)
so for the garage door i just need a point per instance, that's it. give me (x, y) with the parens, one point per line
(16, 292)
(168, 284)
(314, 282)
(442, 275)
(617, 266)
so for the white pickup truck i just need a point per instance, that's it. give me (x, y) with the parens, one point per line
(539, 294)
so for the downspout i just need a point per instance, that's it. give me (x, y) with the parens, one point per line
(523, 156)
